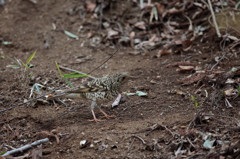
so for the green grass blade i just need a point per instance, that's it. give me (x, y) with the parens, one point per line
(31, 57)
(59, 71)
(62, 76)
(74, 75)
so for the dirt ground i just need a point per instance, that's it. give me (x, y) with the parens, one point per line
(144, 127)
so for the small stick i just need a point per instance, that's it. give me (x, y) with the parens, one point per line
(138, 137)
(25, 147)
(214, 19)
(103, 62)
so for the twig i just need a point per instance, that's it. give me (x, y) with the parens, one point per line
(138, 137)
(104, 62)
(195, 118)
(190, 142)
(222, 46)
(130, 146)
(25, 147)
(214, 19)
(173, 134)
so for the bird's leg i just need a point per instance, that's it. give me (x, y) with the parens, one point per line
(106, 115)
(93, 105)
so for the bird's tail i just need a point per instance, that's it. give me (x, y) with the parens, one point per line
(62, 94)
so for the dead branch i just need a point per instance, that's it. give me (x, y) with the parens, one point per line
(214, 18)
(139, 138)
(25, 147)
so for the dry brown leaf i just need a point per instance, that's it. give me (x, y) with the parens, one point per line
(111, 33)
(164, 52)
(193, 79)
(174, 11)
(49, 134)
(153, 38)
(185, 68)
(181, 63)
(230, 92)
(140, 25)
(90, 5)
(160, 8)
(132, 35)
(89, 35)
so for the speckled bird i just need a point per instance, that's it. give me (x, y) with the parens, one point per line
(98, 90)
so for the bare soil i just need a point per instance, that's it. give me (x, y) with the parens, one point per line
(29, 26)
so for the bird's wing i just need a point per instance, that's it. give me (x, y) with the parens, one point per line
(91, 86)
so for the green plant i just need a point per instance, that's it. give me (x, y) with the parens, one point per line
(69, 75)
(196, 104)
(20, 63)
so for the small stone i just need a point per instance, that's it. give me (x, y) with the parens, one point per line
(83, 143)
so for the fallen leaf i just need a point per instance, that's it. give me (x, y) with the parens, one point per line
(71, 35)
(111, 33)
(160, 8)
(185, 68)
(230, 92)
(192, 79)
(138, 93)
(117, 101)
(181, 63)
(153, 38)
(6, 43)
(90, 6)
(132, 35)
(141, 25)
(164, 52)
(141, 94)
(145, 45)
(208, 144)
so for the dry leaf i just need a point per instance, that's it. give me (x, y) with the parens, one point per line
(141, 25)
(164, 52)
(49, 134)
(174, 11)
(230, 92)
(132, 35)
(90, 6)
(89, 35)
(186, 68)
(192, 79)
(181, 63)
(160, 8)
(153, 38)
(111, 33)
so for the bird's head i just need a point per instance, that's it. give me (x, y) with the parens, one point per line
(123, 76)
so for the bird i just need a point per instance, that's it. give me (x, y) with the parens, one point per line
(98, 90)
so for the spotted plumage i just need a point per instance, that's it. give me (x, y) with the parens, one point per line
(99, 89)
